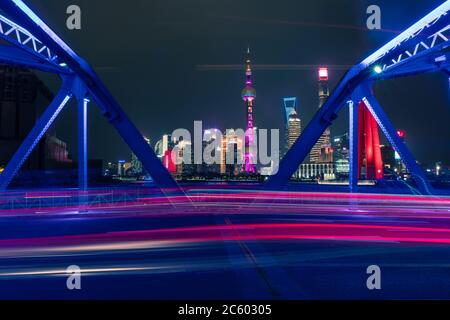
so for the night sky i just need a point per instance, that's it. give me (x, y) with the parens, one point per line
(170, 62)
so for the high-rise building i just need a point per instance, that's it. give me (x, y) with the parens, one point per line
(388, 156)
(169, 163)
(401, 167)
(56, 153)
(294, 127)
(136, 164)
(341, 154)
(341, 146)
(163, 149)
(289, 105)
(183, 159)
(22, 98)
(209, 167)
(163, 144)
(326, 154)
(231, 153)
(121, 168)
(324, 140)
(249, 95)
(111, 169)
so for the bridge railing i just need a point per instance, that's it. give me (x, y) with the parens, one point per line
(66, 199)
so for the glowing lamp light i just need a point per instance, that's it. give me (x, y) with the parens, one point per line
(323, 74)
(401, 134)
(378, 69)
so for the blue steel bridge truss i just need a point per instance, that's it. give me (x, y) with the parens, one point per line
(422, 48)
(33, 44)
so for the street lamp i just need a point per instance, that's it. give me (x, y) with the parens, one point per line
(438, 168)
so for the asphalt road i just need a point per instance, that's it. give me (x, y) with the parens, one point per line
(225, 244)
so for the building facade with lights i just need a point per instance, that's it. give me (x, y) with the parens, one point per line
(294, 128)
(341, 155)
(316, 155)
(231, 153)
(289, 105)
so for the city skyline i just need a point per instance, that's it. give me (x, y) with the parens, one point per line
(196, 206)
(206, 79)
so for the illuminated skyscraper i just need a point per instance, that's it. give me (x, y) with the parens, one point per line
(289, 105)
(324, 141)
(184, 159)
(324, 91)
(341, 154)
(401, 167)
(164, 144)
(249, 95)
(120, 168)
(231, 154)
(294, 128)
(136, 164)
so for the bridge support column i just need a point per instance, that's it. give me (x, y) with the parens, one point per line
(354, 146)
(82, 144)
(83, 101)
(366, 95)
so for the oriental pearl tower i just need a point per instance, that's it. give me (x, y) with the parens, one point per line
(249, 95)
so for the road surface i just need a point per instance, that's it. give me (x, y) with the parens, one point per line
(225, 244)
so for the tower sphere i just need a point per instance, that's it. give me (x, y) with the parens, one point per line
(248, 93)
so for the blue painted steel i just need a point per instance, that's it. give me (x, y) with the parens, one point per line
(20, 37)
(433, 60)
(309, 137)
(19, 57)
(82, 144)
(426, 39)
(27, 19)
(421, 36)
(33, 138)
(354, 137)
(80, 93)
(400, 54)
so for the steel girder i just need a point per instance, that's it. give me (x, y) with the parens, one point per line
(35, 37)
(16, 35)
(13, 55)
(421, 48)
